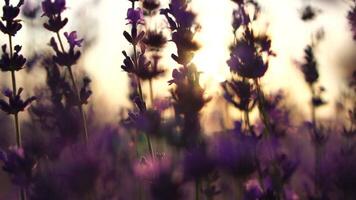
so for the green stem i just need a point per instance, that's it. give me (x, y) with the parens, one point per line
(139, 85)
(76, 91)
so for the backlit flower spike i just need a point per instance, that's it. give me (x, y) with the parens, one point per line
(15, 63)
(10, 25)
(51, 8)
(309, 68)
(10, 12)
(15, 104)
(68, 59)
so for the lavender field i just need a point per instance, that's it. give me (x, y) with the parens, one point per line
(178, 99)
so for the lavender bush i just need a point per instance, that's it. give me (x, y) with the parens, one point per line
(161, 148)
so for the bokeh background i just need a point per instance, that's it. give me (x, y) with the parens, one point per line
(102, 22)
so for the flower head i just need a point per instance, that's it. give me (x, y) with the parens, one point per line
(239, 93)
(246, 59)
(51, 8)
(15, 104)
(65, 58)
(72, 39)
(309, 68)
(150, 5)
(15, 63)
(135, 16)
(10, 12)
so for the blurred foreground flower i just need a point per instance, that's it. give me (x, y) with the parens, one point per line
(18, 165)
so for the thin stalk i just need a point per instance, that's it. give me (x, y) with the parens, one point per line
(197, 189)
(76, 91)
(317, 147)
(239, 189)
(139, 85)
(151, 91)
(149, 143)
(14, 91)
(261, 102)
(247, 120)
(22, 194)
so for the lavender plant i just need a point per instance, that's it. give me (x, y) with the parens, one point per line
(137, 64)
(13, 62)
(248, 63)
(53, 11)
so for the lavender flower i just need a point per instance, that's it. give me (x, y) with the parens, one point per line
(18, 165)
(15, 62)
(73, 40)
(53, 7)
(15, 104)
(53, 10)
(147, 70)
(246, 58)
(155, 40)
(150, 5)
(308, 13)
(240, 93)
(135, 16)
(10, 12)
(62, 58)
(309, 68)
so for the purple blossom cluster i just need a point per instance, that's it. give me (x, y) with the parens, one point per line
(160, 148)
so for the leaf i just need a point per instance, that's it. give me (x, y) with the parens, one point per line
(128, 36)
